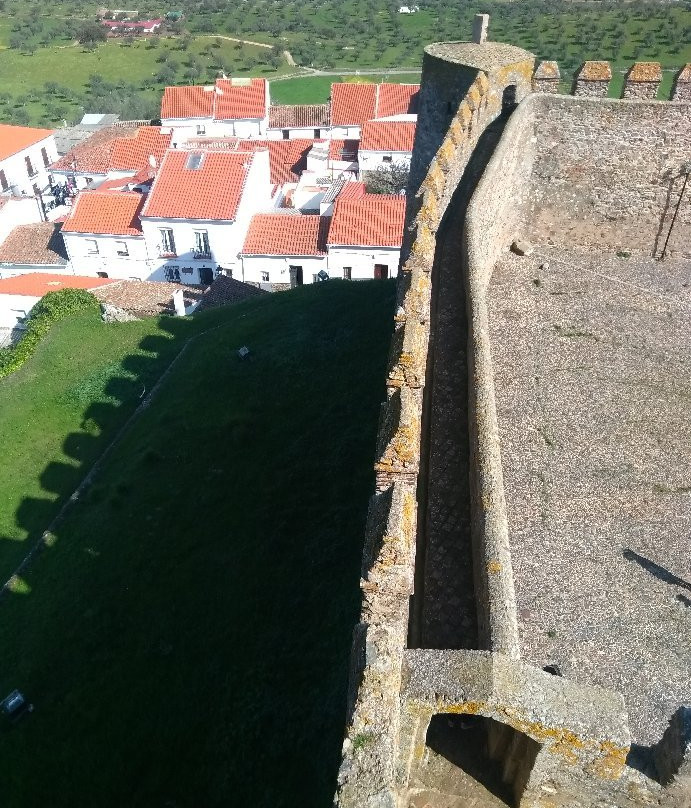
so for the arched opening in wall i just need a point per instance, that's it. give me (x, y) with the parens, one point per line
(509, 98)
(474, 756)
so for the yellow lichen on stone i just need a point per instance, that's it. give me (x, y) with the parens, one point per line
(473, 98)
(482, 82)
(456, 131)
(447, 154)
(494, 566)
(464, 115)
(424, 245)
(611, 762)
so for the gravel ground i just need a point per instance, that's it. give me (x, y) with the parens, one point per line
(592, 357)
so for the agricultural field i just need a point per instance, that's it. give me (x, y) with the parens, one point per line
(47, 76)
(185, 637)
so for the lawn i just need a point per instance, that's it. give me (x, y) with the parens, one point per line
(186, 638)
(317, 89)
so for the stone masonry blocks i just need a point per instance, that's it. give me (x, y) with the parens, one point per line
(546, 78)
(642, 80)
(592, 80)
(682, 84)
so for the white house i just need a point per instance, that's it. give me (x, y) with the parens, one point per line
(385, 143)
(288, 121)
(198, 211)
(229, 108)
(20, 294)
(354, 104)
(284, 249)
(36, 247)
(365, 236)
(16, 210)
(26, 155)
(343, 158)
(103, 236)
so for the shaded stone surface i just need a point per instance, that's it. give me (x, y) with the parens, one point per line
(592, 361)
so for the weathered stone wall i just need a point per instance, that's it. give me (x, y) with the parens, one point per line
(370, 771)
(610, 174)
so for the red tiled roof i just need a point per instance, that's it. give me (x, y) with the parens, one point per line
(282, 234)
(39, 243)
(37, 284)
(371, 221)
(108, 213)
(397, 99)
(389, 136)
(211, 191)
(353, 104)
(287, 158)
(343, 150)
(92, 156)
(227, 99)
(286, 116)
(353, 190)
(132, 154)
(15, 138)
(240, 98)
(187, 102)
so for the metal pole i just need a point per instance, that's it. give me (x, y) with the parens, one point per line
(687, 169)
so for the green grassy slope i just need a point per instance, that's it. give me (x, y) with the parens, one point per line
(186, 639)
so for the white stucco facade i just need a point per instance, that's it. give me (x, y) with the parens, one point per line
(372, 160)
(21, 176)
(294, 132)
(362, 261)
(18, 210)
(14, 308)
(100, 255)
(277, 268)
(184, 129)
(345, 133)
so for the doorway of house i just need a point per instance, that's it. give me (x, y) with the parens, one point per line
(206, 276)
(381, 272)
(295, 276)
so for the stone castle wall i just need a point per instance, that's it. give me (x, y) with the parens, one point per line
(582, 732)
(610, 174)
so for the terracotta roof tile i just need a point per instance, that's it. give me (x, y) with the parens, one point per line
(37, 284)
(224, 291)
(595, 71)
(240, 98)
(298, 116)
(15, 138)
(211, 191)
(109, 213)
(388, 136)
(39, 243)
(227, 99)
(397, 99)
(187, 102)
(92, 156)
(353, 190)
(684, 74)
(287, 158)
(281, 234)
(343, 150)
(371, 221)
(132, 154)
(352, 104)
(645, 71)
(147, 298)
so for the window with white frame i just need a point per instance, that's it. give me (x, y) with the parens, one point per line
(91, 246)
(201, 244)
(347, 272)
(201, 129)
(167, 241)
(30, 170)
(121, 248)
(46, 159)
(172, 273)
(265, 277)
(387, 158)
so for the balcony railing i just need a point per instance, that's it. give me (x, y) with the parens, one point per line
(163, 253)
(201, 253)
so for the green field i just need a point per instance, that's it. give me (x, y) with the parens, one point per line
(332, 35)
(185, 639)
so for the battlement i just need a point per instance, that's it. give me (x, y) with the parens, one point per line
(493, 174)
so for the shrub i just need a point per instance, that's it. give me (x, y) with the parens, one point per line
(50, 309)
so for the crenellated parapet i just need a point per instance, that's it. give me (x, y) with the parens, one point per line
(592, 80)
(546, 78)
(643, 80)
(682, 84)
